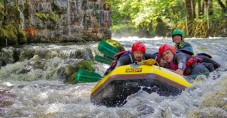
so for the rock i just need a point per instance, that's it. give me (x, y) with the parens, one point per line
(7, 55)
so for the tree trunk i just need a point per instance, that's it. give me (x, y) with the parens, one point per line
(200, 8)
(210, 2)
(224, 8)
(205, 2)
(190, 11)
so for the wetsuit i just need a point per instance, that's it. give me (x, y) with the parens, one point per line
(182, 61)
(126, 59)
(210, 64)
(184, 46)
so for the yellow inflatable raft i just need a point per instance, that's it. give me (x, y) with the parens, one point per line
(124, 81)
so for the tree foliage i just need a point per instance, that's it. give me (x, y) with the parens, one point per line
(146, 14)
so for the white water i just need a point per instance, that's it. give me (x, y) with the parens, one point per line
(39, 97)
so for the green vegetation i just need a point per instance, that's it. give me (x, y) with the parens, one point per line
(10, 30)
(26, 9)
(54, 17)
(41, 16)
(1, 11)
(22, 38)
(84, 65)
(8, 35)
(151, 16)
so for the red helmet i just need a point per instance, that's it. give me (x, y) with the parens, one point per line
(165, 47)
(139, 46)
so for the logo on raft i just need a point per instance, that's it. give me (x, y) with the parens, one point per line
(130, 70)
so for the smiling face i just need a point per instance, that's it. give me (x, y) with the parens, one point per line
(177, 39)
(137, 55)
(167, 56)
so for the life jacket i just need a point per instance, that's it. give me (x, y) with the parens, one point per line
(184, 45)
(186, 51)
(117, 56)
(204, 54)
(190, 62)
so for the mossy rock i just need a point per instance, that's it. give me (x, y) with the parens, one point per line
(53, 17)
(42, 16)
(217, 97)
(26, 54)
(210, 112)
(22, 38)
(85, 65)
(69, 74)
(26, 10)
(71, 80)
(1, 11)
(115, 44)
(8, 35)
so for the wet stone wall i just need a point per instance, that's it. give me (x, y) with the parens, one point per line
(59, 20)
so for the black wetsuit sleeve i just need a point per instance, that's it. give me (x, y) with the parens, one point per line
(149, 56)
(209, 60)
(124, 60)
(180, 59)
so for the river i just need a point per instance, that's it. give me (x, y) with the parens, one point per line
(40, 93)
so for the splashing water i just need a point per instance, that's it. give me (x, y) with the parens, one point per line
(32, 92)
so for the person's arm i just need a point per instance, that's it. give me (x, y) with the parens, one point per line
(181, 59)
(123, 60)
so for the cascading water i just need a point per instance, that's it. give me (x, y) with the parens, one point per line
(34, 88)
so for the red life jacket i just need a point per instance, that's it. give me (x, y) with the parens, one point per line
(190, 62)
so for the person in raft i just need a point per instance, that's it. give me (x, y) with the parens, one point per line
(180, 62)
(180, 44)
(178, 39)
(137, 54)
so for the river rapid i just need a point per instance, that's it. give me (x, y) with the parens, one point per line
(41, 93)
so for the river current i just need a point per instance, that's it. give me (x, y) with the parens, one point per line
(33, 94)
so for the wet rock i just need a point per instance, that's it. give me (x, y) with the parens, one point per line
(6, 97)
(60, 6)
(86, 65)
(88, 54)
(21, 86)
(1, 63)
(210, 112)
(69, 71)
(41, 53)
(213, 104)
(217, 97)
(26, 54)
(22, 71)
(37, 62)
(7, 55)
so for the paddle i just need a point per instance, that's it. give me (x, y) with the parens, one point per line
(104, 60)
(87, 76)
(107, 49)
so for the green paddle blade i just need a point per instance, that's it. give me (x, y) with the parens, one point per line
(104, 60)
(87, 76)
(107, 49)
